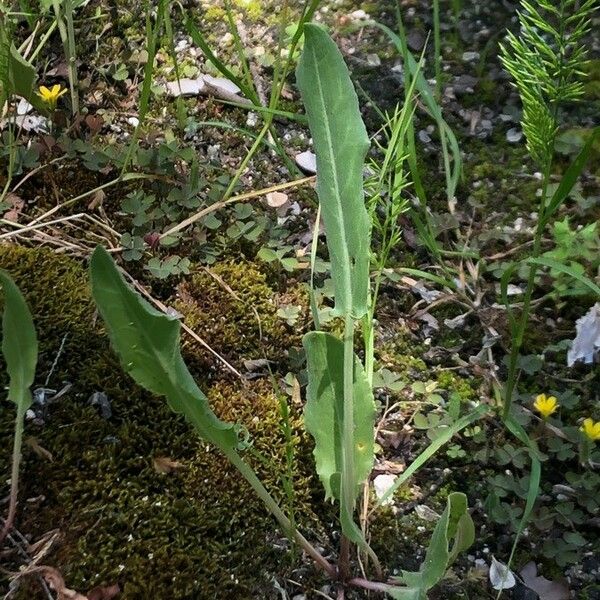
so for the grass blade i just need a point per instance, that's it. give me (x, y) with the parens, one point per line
(440, 441)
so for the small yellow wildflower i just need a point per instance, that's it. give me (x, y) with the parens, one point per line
(591, 430)
(545, 405)
(51, 96)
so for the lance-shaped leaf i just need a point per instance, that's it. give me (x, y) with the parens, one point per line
(17, 75)
(147, 342)
(19, 343)
(341, 143)
(453, 533)
(323, 413)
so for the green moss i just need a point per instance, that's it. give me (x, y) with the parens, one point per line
(214, 13)
(398, 355)
(253, 8)
(234, 309)
(397, 538)
(196, 532)
(453, 383)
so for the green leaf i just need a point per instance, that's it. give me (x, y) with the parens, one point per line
(147, 342)
(534, 478)
(453, 533)
(404, 593)
(571, 175)
(21, 79)
(341, 144)
(323, 413)
(19, 343)
(558, 266)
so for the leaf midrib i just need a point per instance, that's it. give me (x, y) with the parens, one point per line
(338, 204)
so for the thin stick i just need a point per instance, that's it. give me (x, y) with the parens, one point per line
(25, 228)
(228, 289)
(374, 586)
(189, 331)
(126, 177)
(37, 170)
(242, 197)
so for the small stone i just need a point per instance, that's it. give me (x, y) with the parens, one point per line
(470, 56)
(382, 484)
(359, 15)
(227, 39)
(424, 137)
(181, 45)
(591, 564)
(101, 401)
(134, 121)
(415, 40)
(514, 135)
(465, 84)
(276, 199)
(373, 60)
(486, 124)
(213, 152)
(307, 161)
(251, 119)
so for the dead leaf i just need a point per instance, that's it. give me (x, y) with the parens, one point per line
(256, 365)
(185, 87)
(296, 393)
(501, 577)
(545, 589)
(221, 84)
(164, 464)
(389, 466)
(16, 204)
(39, 450)
(104, 592)
(97, 199)
(94, 123)
(427, 514)
(60, 70)
(55, 581)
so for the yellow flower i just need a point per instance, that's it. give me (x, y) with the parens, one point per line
(51, 96)
(545, 405)
(591, 430)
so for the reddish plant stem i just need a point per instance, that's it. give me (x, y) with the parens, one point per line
(375, 586)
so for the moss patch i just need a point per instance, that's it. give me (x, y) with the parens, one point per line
(235, 309)
(196, 532)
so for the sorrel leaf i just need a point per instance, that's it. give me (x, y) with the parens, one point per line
(341, 143)
(323, 413)
(147, 343)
